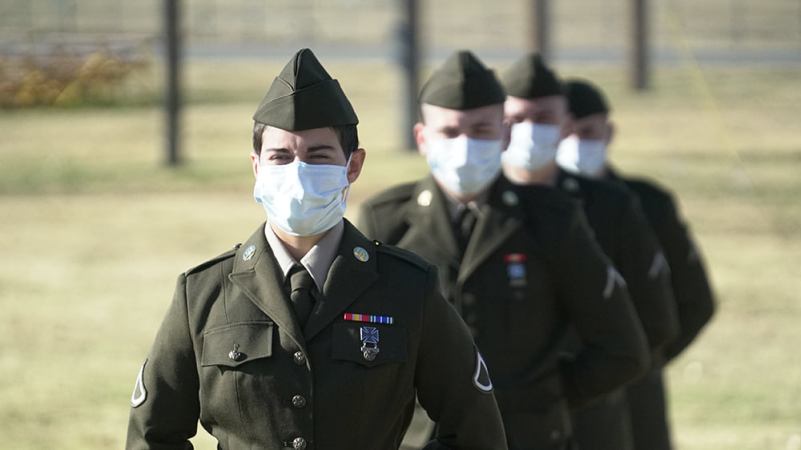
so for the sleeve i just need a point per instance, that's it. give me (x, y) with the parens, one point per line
(452, 381)
(643, 265)
(691, 287)
(165, 404)
(614, 348)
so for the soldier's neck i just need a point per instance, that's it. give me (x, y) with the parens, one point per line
(297, 246)
(545, 175)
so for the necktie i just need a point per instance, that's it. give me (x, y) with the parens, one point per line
(301, 285)
(463, 228)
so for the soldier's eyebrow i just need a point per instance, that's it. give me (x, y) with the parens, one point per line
(317, 148)
(277, 150)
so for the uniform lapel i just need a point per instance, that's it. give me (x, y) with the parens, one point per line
(498, 221)
(349, 276)
(257, 273)
(430, 231)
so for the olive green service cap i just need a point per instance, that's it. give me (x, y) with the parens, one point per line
(530, 78)
(462, 82)
(304, 96)
(585, 99)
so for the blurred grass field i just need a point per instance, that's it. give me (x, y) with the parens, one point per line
(93, 232)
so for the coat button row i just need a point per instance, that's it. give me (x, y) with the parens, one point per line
(298, 401)
(299, 358)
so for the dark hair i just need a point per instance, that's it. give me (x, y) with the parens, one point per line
(347, 135)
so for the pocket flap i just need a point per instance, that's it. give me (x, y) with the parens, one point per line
(237, 344)
(390, 345)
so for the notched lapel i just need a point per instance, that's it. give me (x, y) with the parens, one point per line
(257, 274)
(347, 279)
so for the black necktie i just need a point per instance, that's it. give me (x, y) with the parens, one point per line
(301, 285)
(463, 228)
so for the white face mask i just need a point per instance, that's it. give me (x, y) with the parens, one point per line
(583, 156)
(533, 145)
(302, 199)
(464, 165)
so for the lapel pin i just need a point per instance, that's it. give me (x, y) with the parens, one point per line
(424, 199)
(510, 198)
(570, 184)
(249, 252)
(370, 338)
(361, 254)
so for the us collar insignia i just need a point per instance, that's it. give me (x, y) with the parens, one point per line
(368, 318)
(516, 269)
(370, 338)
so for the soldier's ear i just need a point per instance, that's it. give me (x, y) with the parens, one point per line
(419, 137)
(254, 163)
(356, 164)
(610, 132)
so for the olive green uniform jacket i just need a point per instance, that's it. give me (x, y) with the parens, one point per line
(694, 300)
(530, 273)
(231, 354)
(623, 232)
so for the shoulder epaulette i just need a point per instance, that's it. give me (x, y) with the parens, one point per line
(405, 255)
(395, 194)
(206, 264)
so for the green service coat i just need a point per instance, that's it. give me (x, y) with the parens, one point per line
(530, 273)
(620, 227)
(694, 299)
(231, 354)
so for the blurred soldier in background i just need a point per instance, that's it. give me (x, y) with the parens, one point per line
(519, 263)
(309, 335)
(585, 151)
(536, 108)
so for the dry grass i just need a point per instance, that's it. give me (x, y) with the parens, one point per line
(93, 233)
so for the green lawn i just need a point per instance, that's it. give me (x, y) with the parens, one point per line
(93, 232)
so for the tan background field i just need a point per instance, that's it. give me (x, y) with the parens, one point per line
(94, 230)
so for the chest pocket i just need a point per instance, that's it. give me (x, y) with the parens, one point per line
(359, 343)
(237, 344)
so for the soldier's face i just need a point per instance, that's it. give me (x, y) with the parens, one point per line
(593, 127)
(314, 146)
(485, 122)
(551, 110)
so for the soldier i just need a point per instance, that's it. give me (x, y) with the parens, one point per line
(519, 263)
(309, 335)
(585, 151)
(537, 109)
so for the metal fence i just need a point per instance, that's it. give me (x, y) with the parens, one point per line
(580, 28)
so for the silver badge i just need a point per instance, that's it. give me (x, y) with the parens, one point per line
(249, 252)
(424, 199)
(370, 338)
(361, 254)
(510, 198)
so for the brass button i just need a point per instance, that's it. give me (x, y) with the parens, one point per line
(299, 443)
(298, 401)
(299, 358)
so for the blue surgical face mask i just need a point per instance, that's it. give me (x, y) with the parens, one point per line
(583, 156)
(533, 145)
(302, 199)
(465, 166)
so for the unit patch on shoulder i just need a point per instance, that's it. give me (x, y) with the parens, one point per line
(139, 394)
(481, 378)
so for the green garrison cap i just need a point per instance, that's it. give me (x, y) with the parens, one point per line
(463, 82)
(530, 78)
(585, 99)
(304, 96)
